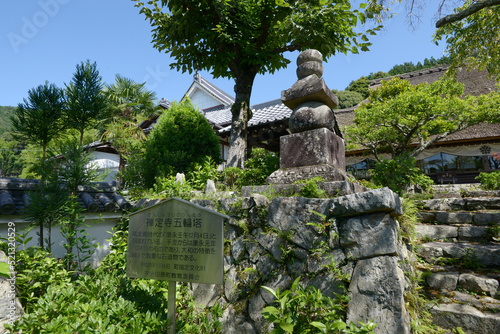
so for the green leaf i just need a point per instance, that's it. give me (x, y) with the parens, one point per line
(319, 325)
(4, 269)
(287, 327)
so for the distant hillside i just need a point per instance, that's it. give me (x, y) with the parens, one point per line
(5, 112)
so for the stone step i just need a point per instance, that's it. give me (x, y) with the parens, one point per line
(469, 318)
(452, 233)
(461, 204)
(478, 286)
(466, 254)
(446, 217)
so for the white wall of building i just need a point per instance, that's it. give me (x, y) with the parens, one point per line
(202, 100)
(99, 229)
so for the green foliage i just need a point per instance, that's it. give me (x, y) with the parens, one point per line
(401, 115)
(10, 159)
(258, 167)
(360, 86)
(240, 39)
(39, 119)
(408, 221)
(182, 138)
(230, 176)
(490, 181)
(307, 310)
(311, 188)
(85, 101)
(201, 173)
(5, 113)
(166, 187)
(473, 40)
(399, 173)
(348, 98)
(408, 67)
(103, 300)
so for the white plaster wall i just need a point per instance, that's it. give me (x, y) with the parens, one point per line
(202, 100)
(99, 230)
(106, 163)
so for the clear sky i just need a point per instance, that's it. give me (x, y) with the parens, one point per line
(44, 40)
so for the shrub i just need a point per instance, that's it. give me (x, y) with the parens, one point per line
(490, 181)
(181, 139)
(311, 188)
(399, 173)
(260, 165)
(201, 173)
(307, 310)
(230, 176)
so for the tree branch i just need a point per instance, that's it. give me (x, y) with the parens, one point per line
(466, 12)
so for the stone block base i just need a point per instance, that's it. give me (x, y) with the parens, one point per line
(289, 175)
(313, 147)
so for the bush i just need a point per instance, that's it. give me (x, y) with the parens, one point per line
(399, 173)
(201, 173)
(260, 165)
(490, 181)
(311, 188)
(181, 139)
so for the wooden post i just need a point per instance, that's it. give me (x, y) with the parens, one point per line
(171, 307)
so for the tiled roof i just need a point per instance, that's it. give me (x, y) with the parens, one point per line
(99, 197)
(263, 113)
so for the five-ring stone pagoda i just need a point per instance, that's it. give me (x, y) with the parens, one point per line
(315, 147)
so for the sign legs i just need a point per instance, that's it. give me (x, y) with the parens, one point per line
(171, 307)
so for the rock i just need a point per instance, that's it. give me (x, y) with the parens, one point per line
(312, 115)
(471, 232)
(238, 248)
(436, 231)
(377, 293)
(180, 177)
(486, 255)
(483, 203)
(454, 217)
(271, 242)
(260, 200)
(368, 235)
(235, 322)
(317, 146)
(310, 88)
(467, 317)
(290, 175)
(426, 217)
(206, 295)
(204, 203)
(479, 284)
(378, 200)
(485, 218)
(443, 204)
(315, 264)
(210, 188)
(443, 280)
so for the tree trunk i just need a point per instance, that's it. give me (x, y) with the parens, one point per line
(241, 115)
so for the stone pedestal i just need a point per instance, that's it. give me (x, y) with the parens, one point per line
(313, 147)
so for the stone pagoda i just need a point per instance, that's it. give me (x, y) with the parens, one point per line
(315, 147)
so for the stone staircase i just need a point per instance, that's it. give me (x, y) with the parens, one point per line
(460, 251)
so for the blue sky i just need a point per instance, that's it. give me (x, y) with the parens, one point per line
(44, 40)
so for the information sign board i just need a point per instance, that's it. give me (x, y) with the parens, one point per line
(176, 240)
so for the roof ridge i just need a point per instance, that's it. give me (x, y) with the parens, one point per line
(411, 74)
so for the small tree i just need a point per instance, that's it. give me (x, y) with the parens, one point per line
(402, 118)
(38, 120)
(182, 138)
(86, 104)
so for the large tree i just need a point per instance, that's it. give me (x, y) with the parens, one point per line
(85, 100)
(239, 39)
(406, 119)
(471, 35)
